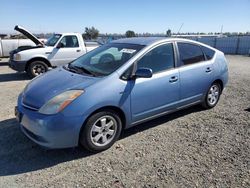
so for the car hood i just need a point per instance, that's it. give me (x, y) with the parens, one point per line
(28, 35)
(44, 87)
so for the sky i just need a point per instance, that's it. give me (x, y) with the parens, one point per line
(117, 16)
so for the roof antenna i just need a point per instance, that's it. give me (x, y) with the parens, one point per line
(180, 28)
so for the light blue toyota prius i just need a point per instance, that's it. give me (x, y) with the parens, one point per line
(116, 86)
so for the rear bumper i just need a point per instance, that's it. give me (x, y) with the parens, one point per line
(50, 131)
(17, 65)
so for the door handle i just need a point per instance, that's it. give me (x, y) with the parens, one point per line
(173, 79)
(78, 50)
(208, 69)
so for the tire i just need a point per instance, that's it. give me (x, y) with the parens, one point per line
(212, 96)
(36, 68)
(97, 128)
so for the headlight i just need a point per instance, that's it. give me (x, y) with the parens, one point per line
(59, 102)
(17, 57)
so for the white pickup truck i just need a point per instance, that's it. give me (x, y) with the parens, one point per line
(59, 49)
(8, 45)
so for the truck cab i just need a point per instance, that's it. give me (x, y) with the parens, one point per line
(60, 49)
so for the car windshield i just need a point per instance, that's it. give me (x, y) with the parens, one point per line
(53, 40)
(104, 60)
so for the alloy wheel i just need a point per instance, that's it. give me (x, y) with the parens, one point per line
(213, 95)
(103, 130)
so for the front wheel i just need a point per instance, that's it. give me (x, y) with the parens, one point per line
(36, 68)
(101, 131)
(212, 96)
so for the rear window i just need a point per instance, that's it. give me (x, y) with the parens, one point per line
(190, 53)
(209, 53)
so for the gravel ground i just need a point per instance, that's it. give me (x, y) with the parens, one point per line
(190, 148)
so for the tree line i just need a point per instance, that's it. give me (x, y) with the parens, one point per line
(93, 33)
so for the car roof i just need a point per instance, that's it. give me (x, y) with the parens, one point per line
(149, 40)
(140, 40)
(152, 40)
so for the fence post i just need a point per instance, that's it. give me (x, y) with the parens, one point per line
(238, 44)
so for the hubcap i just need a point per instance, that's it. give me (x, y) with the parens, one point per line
(38, 69)
(213, 95)
(103, 130)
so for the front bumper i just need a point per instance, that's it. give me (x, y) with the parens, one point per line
(50, 131)
(17, 65)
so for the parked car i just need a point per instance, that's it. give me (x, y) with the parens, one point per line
(59, 49)
(89, 103)
(8, 45)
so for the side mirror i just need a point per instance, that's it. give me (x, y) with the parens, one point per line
(60, 45)
(143, 73)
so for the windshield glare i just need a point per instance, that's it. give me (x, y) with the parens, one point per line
(53, 40)
(106, 59)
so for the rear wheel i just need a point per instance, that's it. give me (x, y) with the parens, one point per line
(101, 131)
(212, 96)
(36, 68)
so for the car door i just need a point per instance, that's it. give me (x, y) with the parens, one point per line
(195, 72)
(160, 93)
(67, 50)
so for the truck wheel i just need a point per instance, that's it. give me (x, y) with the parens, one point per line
(212, 96)
(36, 68)
(101, 131)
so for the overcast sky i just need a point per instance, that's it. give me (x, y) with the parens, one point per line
(116, 16)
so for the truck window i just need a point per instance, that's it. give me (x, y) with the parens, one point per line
(70, 41)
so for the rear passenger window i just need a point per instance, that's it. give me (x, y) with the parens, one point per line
(190, 53)
(159, 59)
(209, 53)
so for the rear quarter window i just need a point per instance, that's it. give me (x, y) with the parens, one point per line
(190, 53)
(209, 53)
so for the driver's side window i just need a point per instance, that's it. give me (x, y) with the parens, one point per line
(158, 59)
(69, 42)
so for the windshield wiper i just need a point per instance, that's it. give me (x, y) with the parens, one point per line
(82, 69)
(86, 70)
(71, 68)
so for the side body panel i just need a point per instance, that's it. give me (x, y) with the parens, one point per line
(195, 80)
(151, 96)
(221, 68)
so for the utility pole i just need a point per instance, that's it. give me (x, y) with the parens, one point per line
(221, 29)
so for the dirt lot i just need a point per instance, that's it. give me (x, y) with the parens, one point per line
(190, 148)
